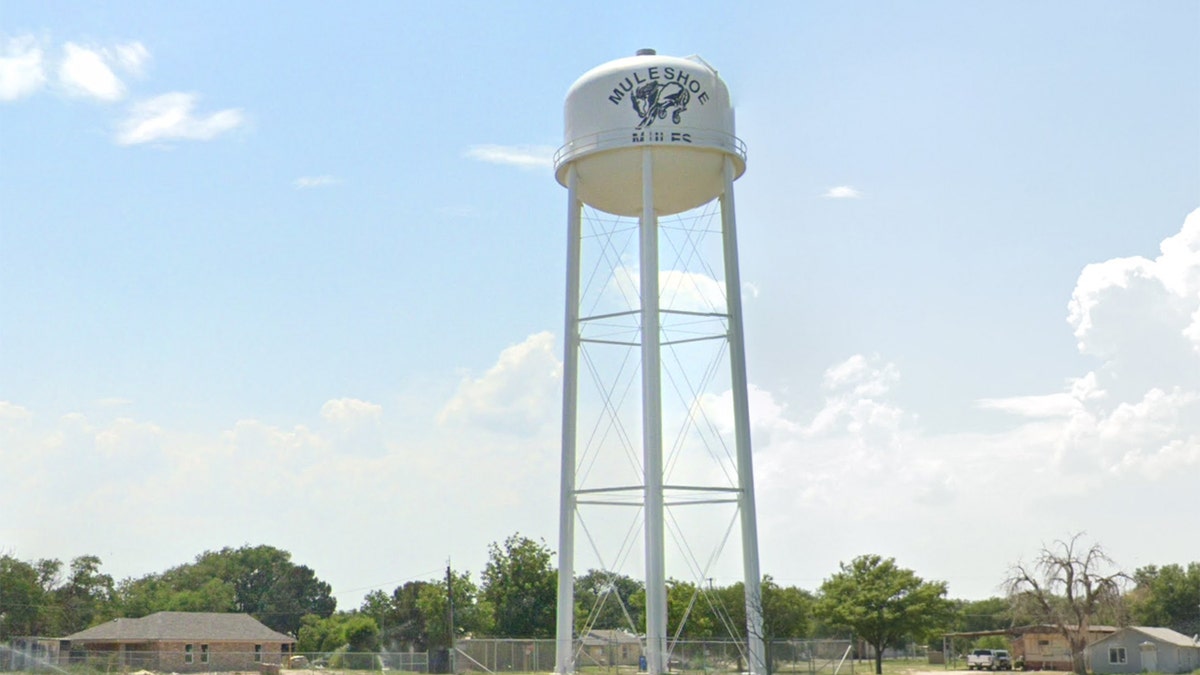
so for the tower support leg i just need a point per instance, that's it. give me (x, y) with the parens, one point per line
(741, 423)
(564, 631)
(652, 457)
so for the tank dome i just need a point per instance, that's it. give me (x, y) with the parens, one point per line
(677, 107)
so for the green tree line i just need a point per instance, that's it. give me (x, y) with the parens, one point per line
(870, 598)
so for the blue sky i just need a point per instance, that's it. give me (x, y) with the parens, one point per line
(292, 273)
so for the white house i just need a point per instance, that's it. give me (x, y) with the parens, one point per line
(1138, 649)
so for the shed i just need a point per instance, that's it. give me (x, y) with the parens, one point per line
(1139, 649)
(1043, 647)
(612, 647)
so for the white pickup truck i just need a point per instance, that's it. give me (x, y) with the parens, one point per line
(989, 659)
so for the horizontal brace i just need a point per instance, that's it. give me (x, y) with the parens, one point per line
(699, 339)
(623, 488)
(702, 501)
(611, 342)
(697, 488)
(687, 313)
(632, 312)
(591, 502)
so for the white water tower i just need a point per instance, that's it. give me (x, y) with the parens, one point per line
(648, 138)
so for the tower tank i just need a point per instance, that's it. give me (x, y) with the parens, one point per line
(648, 137)
(677, 106)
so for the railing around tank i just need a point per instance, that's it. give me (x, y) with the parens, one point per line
(664, 136)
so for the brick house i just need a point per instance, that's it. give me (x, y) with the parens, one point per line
(182, 642)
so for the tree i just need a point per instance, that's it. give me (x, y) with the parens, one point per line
(522, 587)
(786, 612)
(1168, 596)
(21, 598)
(602, 601)
(687, 606)
(361, 634)
(265, 581)
(981, 615)
(881, 602)
(87, 598)
(318, 634)
(471, 613)
(401, 624)
(153, 593)
(975, 616)
(1067, 585)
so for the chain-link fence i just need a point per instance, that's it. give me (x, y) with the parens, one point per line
(624, 655)
(621, 655)
(121, 660)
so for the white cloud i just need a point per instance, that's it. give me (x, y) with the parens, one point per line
(854, 403)
(92, 72)
(132, 57)
(1138, 414)
(523, 156)
(678, 289)
(519, 394)
(170, 117)
(128, 437)
(1061, 404)
(350, 411)
(842, 192)
(768, 417)
(1126, 300)
(852, 472)
(85, 72)
(13, 412)
(310, 182)
(1043, 405)
(21, 70)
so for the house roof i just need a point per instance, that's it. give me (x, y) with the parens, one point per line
(213, 626)
(1164, 635)
(1034, 629)
(607, 637)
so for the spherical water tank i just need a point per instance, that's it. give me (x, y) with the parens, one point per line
(677, 107)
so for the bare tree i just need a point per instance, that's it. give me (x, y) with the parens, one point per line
(1067, 586)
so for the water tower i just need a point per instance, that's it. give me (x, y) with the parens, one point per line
(649, 138)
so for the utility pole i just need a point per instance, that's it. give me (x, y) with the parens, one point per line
(450, 614)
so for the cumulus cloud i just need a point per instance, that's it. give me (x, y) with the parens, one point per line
(854, 403)
(350, 411)
(521, 156)
(1060, 404)
(22, 71)
(769, 418)
(1162, 295)
(519, 394)
(1138, 413)
(172, 117)
(678, 289)
(86, 72)
(11, 412)
(842, 192)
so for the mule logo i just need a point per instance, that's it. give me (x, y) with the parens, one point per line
(655, 100)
